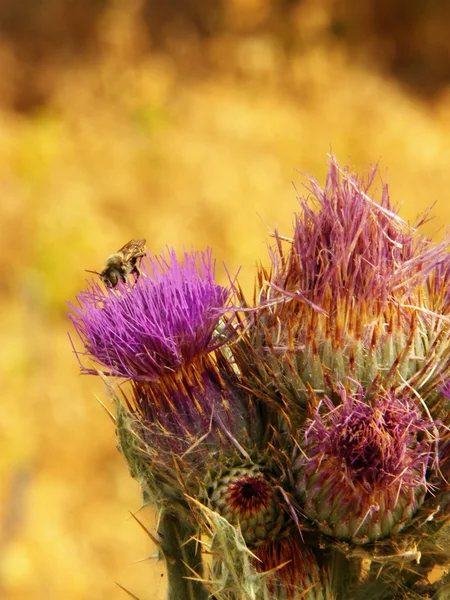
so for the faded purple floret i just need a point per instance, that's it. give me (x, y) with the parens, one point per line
(346, 245)
(380, 442)
(361, 475)
(161, 323)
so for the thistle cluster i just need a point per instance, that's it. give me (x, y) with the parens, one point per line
(300, 441)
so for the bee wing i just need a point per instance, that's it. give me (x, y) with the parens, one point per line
(133, 248)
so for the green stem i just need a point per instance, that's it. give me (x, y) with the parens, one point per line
(181, 549)
(342, 574)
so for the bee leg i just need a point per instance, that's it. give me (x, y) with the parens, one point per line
(136, 272)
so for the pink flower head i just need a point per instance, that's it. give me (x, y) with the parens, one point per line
(171, 315)
(363, 465)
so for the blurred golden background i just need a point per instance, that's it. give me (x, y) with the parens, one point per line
(185, 122)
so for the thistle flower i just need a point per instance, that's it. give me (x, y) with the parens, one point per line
(160, 334)
(167, 319)
(361, 474)
(349, 350)
(309, 450)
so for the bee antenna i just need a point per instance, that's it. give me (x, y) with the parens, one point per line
(95, 272)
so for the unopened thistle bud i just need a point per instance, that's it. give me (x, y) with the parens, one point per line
(247, 498)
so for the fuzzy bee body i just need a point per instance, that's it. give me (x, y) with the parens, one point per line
(119, 265)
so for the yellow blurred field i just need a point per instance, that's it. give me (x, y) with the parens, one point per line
(127, 148)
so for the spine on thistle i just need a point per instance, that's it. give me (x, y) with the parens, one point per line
(302, 440)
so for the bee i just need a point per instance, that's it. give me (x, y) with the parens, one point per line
(122, 263)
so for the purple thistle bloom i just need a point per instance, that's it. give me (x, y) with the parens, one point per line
(353, 319)
(170, 316)
(356, 292)
(322, 426)
(363, 465)
(161, 333)
(353, 247)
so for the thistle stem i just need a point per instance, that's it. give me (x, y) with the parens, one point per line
(342, 574)
(181, 551)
